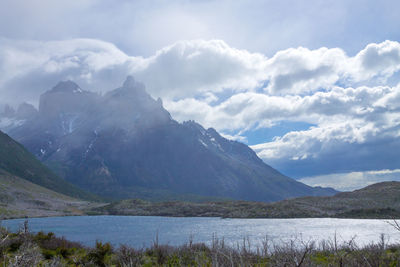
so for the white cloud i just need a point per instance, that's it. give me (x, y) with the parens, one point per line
(377, 60)
(352, 180)
(350, 97)
(356, 129)
(301, 70)
(347, 99)
(300, 145)
(248, 109)
(185, 68)
(241, 111)
(28, 68)
(143, 26)
(189, 68)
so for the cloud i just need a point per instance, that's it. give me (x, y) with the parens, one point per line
(352, 180)
(353, 127)
(301, 70)
(377, 60)
(189, 68)
(29, 68)
(349, 94)
(250, 109)
(315, 142)
(141, 27)
(185, 68)
(352, 145)
(353, 110)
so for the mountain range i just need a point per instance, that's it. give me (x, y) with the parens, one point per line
(28, 188)
(124, 144)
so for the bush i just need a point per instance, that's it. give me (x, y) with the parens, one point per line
(101, 254)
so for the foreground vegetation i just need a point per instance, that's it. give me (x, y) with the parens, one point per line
(45, 249)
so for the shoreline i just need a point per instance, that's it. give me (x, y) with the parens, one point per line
(216, 217)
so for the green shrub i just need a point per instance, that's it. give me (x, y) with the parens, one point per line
(100, 254)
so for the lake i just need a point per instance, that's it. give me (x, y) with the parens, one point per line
(139, 231)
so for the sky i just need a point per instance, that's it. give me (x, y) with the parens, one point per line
(311, 85)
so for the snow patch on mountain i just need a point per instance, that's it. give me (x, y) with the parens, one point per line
(68, 122)
(202, 142)
(9, 123)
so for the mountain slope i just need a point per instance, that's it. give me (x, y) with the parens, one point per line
(20, 198)
(126, 145)
(17, 161)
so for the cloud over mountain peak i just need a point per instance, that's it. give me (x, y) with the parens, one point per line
(350, 102)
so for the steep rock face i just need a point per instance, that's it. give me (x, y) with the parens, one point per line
(62, 110)
(126, 145)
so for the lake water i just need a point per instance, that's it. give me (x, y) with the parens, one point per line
(138, 231)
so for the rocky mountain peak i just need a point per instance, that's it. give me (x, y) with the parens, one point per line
(133, 106)
(26, 111)
(131, 89)
(65, 97)
(129, 82)
(67, 87)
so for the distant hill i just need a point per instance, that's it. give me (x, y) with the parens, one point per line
(16, 161)
(124, 144)
(381, 200)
